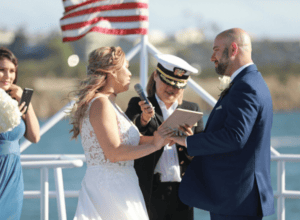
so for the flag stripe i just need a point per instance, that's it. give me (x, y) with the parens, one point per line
(119, 17)
(107, 8)
(116, 25)
(81, 3)
(98, 19)
(116, 13)
(142, 31)
(72, 6)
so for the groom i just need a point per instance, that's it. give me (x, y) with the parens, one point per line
(230, 173)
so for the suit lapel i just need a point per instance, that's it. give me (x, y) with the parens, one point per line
(211, 114)
(235, 80)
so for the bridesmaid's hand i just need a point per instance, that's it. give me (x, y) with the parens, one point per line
(22, 108)
(15, 92)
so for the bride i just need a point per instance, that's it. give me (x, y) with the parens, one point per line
(111, 142)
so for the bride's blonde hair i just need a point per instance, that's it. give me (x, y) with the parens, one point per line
(102, 61)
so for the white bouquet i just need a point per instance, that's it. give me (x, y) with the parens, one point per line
(10, 115)
(224, 82)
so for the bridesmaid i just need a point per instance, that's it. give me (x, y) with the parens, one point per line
(11, 176)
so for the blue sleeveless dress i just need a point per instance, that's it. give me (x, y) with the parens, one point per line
(11, 175)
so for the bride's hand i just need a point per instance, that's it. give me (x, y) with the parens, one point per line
(161, 136)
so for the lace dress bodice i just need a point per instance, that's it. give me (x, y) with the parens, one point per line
(128, 132)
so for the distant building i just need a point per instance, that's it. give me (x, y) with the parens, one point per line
(6, 37)
(95, 40)
(157, 37)
(189, 36)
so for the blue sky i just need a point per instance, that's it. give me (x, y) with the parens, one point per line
(272, 19)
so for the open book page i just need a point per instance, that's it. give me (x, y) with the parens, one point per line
(182, 117)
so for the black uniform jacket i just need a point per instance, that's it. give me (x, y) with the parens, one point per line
(145, 166)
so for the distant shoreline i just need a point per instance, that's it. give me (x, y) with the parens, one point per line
(52, 94)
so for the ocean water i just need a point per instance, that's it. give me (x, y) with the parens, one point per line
(285, 139)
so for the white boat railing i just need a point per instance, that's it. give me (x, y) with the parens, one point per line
(44, 164)
(57, 162)
(49, 124)
(282, 193)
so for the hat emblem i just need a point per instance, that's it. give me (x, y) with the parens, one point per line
(179, 72)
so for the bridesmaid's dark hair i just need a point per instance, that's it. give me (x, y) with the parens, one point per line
(7, 54)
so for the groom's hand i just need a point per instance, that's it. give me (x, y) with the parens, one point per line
(171, 142)
(181, 140)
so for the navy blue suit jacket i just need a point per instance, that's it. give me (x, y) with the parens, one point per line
(230, 172)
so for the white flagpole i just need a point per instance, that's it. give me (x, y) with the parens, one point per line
(144, 61)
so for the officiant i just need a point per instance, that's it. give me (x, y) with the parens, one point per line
(160, 173)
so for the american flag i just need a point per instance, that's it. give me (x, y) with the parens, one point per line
(117, 17)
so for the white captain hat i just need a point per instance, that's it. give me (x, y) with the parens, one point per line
(173, 70)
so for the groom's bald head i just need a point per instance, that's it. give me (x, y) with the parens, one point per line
(238, 44)
(238, 36)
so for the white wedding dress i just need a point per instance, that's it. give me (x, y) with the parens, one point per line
(109, 191)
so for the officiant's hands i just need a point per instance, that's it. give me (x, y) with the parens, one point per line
(147, 112)
(165, 135)
(186, 130)
(180, 137)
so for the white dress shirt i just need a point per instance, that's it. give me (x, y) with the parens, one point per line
(168, 164)
(239, 70)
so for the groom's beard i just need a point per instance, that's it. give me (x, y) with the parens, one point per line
(223, 63)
